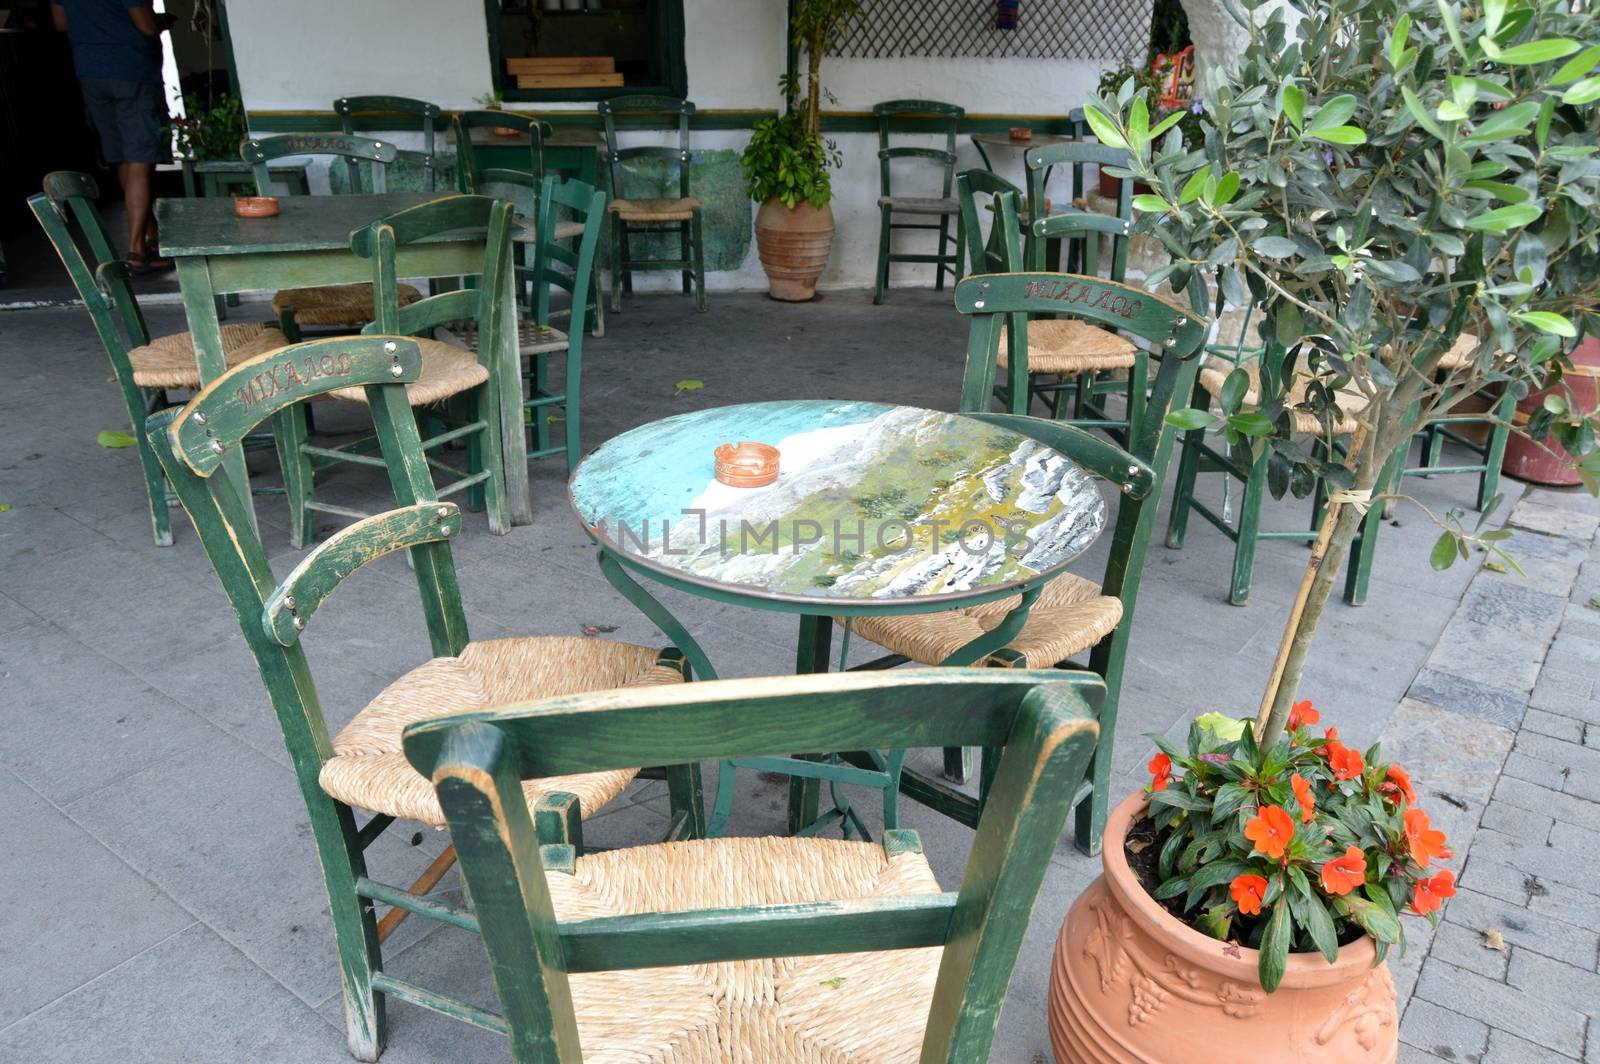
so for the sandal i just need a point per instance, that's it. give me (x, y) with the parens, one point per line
(139, 265)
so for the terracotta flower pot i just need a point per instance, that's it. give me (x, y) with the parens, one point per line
(1547, 462)
(1131, 984)
(793, 245)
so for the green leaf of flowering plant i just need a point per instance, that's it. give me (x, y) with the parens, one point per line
(1103, 126)
(1535, 52)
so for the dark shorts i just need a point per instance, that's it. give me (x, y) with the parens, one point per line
(128, 116)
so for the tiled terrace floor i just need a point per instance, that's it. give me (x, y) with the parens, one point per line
(162, 897)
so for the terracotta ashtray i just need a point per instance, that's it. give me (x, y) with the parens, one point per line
(1021, 133)
(255, 206)
(747, 464)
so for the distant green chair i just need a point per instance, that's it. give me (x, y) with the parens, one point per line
(555, 265)
(343, 307)
(362, 768)
(1072, 615)
(946, 119)
(1495, 421)
(1045, 252)
(456, 387)
(645, 953)
(1265, 377)
(682, 213)
(145, 369)
(426, 114)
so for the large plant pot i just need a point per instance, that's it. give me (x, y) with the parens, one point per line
(793, 244)
(1131, 984)
(1547, 462)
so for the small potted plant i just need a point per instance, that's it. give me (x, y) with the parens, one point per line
(210, 130)
(787, 160)
(493, 101)
(1250, 896)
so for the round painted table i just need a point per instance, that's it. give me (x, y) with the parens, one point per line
(1005, 140)
(876, 509)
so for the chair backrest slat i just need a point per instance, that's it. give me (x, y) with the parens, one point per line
(1043, 722)
(975, 191)
(648, 107)
(935, 117)
(1076, 154)
(260, 151)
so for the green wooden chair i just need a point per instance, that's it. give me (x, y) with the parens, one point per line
(946, 119)
(146, 369)
(474, 177)
(457, 388)
(1496, 423)
(1265, 376)
(362, 770)
(572, 270)
(1072, 615)
(340, 307)
(653, 215)
(1045, 252)
(643, 953)
(425, 114)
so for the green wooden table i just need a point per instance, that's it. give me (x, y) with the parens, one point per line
(308, 243)
(569, 152)
(876, 510)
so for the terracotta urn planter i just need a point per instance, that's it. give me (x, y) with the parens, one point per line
(1131, 984)
(1547, 462)
(793, 244)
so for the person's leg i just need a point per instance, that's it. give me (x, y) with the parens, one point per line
(136, 198)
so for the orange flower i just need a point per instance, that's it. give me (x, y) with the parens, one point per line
(1344, 874)
(1302, 794)
(1160, 768)
(1271, 830)
(1399, 783)
(1427, 842)
(1431, 893)
(1345, 762)
(1331, 734)
(1247, 891)
(1302, 714)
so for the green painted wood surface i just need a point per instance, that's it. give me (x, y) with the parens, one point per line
(303, 223)
(289, 608)
(1043, 721)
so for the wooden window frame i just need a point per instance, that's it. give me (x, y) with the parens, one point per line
(668, 28)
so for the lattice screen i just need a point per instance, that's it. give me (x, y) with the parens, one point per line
(1046, 29)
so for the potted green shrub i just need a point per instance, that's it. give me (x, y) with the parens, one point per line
(210, 130)
(787, 160)
(1380, 181)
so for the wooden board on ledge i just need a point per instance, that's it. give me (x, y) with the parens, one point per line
(569, 81)
(564, 64)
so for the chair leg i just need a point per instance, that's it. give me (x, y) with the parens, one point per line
(487, 409)
(686, 797)
(355, 927)
(1495, 453)
(1358, 574)
(881, 289)
(961, 248)
(687, 275)
(938, 267)
(290, 435)
(698, 234)
(155, 486)
(536, 386)
(615, 224)
(597, 326)
(464, 408)
(627, 261)
(957, 763)
(1244, 550)
(570, 405)
(1188, 471)
(1138, 395)
(288, 326)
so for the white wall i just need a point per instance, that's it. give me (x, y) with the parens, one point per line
(301, 54)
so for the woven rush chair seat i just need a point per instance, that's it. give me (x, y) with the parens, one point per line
(525, 232)
(369, 770)
(921, 204)
(532, 338)
(168, 361)
(1065, 346)
(446, 370)
(654, 210)
(1070, 616)
(855, 1007)
(334, 304)
(1351, 402)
